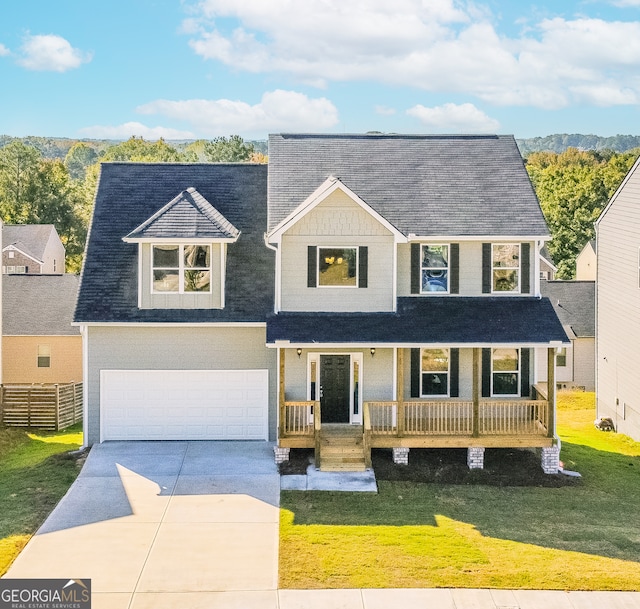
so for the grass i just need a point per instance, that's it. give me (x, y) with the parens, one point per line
(484, 531)
(36, 470)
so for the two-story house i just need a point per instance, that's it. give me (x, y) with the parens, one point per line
(369, 291)
(32, 249)
(407, 296)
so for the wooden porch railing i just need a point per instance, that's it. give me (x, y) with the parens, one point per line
(456, 417)
(298, 418)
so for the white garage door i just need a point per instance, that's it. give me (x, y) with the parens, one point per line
(184, 404)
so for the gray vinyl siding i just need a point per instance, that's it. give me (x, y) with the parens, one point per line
(470, 267)
(584, 363)
(175, 348)
(337, 222)
(150, 300)
(618, 310)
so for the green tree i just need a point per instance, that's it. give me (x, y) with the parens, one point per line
(139, 150)
(231, 150)
(18, 165)
(79, 157)
(573, 188)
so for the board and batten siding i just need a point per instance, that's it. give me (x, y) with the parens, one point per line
(175, 348)
(618, 309)
(469, 270)
(337, 222)
(171, 300)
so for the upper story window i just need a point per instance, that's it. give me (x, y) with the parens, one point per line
(505, 265)
(505, 372)
(561, 357)
(181, 268)
(338, 267)
(434, 372)
(434, 268)
(44, 356)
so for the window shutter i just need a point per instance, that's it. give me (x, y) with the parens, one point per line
(415, 268)
(525, 268)
(454, 367)
(415, 373)
(525, 377)
(454, 268)
(486, 373)
(486, 268)
(363, 265)
(312, 265)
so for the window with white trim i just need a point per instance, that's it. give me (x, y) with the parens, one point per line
(11, 254)
(435, 372)
(184, 268)
(338, 267)
(505, 265)
(561, 357)
(434, 268)
(44, 356)
(505, 372)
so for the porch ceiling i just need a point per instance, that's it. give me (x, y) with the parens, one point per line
(428, 320)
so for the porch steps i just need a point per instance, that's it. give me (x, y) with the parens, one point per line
(341, 448)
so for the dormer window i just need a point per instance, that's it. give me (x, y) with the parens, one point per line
(181, 268)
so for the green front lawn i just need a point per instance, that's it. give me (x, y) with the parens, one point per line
(581, 535)
(35, 472)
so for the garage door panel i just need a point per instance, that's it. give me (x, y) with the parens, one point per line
(176, 404)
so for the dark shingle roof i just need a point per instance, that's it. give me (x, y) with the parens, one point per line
(39, 305)
(31, 239)
(426, 185)
(188, 215)
(130, 193)
(442, 320)
(575, 304)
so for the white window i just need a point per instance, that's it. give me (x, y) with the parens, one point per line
(181, 268)
(12, 254)
(561, 357)
(434, 268)
(44, 356)
(505, 372)
(505, 264)
(338, 267)
(435, 372)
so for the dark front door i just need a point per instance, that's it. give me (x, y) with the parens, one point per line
(334, 388)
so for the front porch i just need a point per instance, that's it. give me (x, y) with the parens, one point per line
(402, 424)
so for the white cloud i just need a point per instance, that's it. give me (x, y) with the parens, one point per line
(277, 111)
(436, 46)
(4, 51)
(455, 118)
(51, 53)
(625, 3)
(385, 110)
(126, 130)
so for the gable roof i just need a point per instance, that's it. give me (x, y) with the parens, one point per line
(187, 216)
(31, 239)
(574, 303)
(39, 305)
(129, 194)
(425, 185)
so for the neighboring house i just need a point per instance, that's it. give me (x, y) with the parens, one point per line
(39, 343)
(618, 307)
(395, 295)
(586, 262)
(32, 249)
(548, 270)
(574, 303)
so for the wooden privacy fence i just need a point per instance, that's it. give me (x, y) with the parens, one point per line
(51, 407)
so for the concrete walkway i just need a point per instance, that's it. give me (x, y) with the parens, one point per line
(194, 525)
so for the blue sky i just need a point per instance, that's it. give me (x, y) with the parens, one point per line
(183, 69)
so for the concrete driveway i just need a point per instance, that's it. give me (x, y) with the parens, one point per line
(166, 524)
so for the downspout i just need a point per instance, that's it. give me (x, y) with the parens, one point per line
(276, 304)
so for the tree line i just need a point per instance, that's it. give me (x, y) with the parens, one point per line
(573, 186)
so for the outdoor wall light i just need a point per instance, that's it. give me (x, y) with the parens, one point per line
(373, 351)
(299, 351)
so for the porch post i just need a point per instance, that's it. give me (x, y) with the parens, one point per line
(400, 390)
(281, 393)
(476, 392)
(551, 392)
